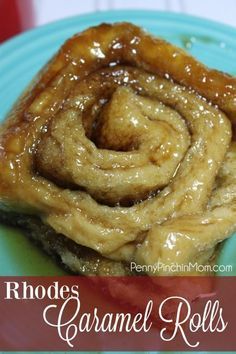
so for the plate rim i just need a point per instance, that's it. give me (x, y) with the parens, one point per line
(95, 15)
(12, 44)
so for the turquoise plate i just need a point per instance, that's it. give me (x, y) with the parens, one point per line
(23, 56)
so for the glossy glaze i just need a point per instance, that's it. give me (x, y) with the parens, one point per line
(107, 119)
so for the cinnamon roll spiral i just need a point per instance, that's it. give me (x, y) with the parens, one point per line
(124, 145)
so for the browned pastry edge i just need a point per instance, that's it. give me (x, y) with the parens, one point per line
(115, 284)
(215, 79)
(73, 257)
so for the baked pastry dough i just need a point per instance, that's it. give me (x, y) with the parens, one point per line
(123, 144)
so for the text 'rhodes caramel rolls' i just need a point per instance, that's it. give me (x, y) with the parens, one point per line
(121, 151)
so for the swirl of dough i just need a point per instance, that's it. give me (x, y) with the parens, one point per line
(118, 146)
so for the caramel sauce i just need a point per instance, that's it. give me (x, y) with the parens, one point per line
(120, 135)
